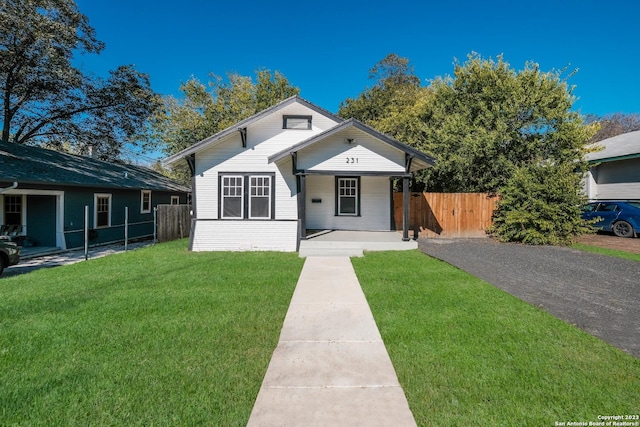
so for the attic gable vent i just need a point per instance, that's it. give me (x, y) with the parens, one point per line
(296, 122)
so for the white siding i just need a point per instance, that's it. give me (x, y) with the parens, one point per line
(375, 205)
(264, 138)
(615, 180)
(245, 236)
(365, 153)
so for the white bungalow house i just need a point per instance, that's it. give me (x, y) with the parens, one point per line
(615, 170)
(262, 183)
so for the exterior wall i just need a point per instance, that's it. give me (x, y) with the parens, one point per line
(245, 236)
(140, 224)
(364, 154)
(615, 180)
(264, 138)
(375, 205)
(41, 219)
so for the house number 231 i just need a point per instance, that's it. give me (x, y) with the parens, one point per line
(352, 160)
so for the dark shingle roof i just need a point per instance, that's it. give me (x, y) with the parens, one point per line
(34, 165)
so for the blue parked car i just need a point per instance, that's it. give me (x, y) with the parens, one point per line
(620, 217)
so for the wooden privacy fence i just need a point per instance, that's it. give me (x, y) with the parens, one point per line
(173, 222)
(446, 214)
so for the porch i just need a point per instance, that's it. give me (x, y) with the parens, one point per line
(352, 243)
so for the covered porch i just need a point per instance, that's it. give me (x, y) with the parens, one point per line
(352, 243)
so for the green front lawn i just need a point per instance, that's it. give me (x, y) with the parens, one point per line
(157, 336)
(467, 353)
(605, 251)
(160, 336)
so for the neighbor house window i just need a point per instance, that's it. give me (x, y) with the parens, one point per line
(175, 200)
(296, 122)
(145, 201)
(12, 210)
(247, 196)
(232, 196)
(102, 205)
(348, 196)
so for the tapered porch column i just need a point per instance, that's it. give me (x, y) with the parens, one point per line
(302, 208)
(405, 208)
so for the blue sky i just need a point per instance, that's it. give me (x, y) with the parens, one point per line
(327, 47)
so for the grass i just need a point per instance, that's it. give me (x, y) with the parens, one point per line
(605, 251)
(467, 353)
(157, 336)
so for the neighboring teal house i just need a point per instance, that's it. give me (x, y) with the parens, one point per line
(43, 194)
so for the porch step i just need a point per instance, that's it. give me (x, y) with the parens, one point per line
(313, 247)
(313, 251)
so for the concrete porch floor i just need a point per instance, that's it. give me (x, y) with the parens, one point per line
(352, 243)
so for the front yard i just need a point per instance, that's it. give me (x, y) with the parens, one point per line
(467, 353)
(160, 336)
(157, 336)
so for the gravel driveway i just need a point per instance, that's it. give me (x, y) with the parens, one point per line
(597, 293)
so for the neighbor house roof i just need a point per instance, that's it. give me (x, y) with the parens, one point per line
(243, 124)
(418, 156)
(620, 147)
(35, 165)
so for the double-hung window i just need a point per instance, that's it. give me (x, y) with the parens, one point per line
(260, 197)
(102, 209)
(232, 203)
(145, 201)
(348, 196)
(247, 196)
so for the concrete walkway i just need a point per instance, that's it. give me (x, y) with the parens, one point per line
(330, 367)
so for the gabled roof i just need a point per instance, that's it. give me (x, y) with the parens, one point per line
(619, 147)
(35, 165)
(244, 123)
(417, 155)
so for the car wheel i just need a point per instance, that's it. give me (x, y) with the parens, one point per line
(1, 266)
(622, 229)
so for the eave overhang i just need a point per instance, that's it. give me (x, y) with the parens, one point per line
(419, 159)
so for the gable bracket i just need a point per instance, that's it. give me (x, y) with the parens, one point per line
(294, 163)
(408, 158)
(243, 136)
(191, 162)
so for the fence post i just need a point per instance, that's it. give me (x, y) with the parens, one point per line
(86, 232)
(126, 228)
(155, 225)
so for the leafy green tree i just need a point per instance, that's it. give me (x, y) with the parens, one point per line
(497, 130)
(540, 204)
(204, 110)
(48, 101)
(394, 103)
(488, 120)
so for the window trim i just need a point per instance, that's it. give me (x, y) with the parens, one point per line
(97, 196)
(222, 196)
(175, 200)
(246, 195)
(143, 193)
(21, 204)
(250, 196)
(337, 192)
(285, 118)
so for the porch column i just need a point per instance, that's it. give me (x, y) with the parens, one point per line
(405, 208)
(302, 207)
